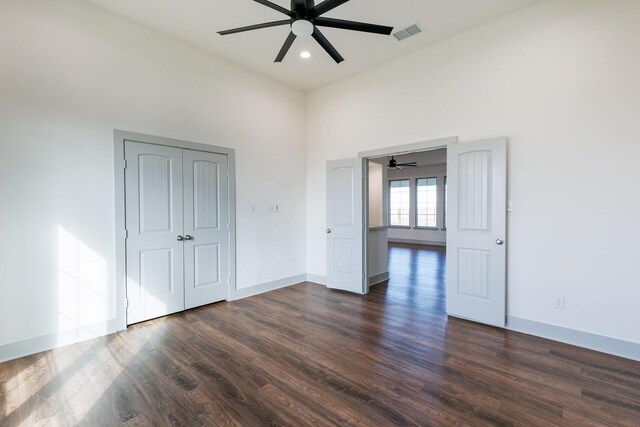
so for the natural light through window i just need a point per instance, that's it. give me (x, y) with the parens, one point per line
(83, 285)
(427, 202)
(399, 203)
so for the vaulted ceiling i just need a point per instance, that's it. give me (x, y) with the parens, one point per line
(197, 22)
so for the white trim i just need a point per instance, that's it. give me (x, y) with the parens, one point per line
(266, 287)
(315, 278)
(417, 242)
(602, 343)
(378, 278)
(42, 343)
(410, 148)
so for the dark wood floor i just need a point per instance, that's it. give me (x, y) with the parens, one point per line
(306, 355)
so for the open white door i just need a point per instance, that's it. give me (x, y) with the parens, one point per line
(476, 230)
(344, 226)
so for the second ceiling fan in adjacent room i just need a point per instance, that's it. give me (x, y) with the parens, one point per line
(393, 164)
(305, 18)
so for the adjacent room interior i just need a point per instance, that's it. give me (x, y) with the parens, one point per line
(331, 212)
(406, 248)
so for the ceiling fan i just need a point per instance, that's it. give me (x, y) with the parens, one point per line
(393, 164)
(305, 18)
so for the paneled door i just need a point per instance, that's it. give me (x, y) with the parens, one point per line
(206, 227)
(476, 230)
(345, 269)
(177, 221)
(154, 220)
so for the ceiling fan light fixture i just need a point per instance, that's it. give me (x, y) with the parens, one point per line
(302, 28)
(305, 54)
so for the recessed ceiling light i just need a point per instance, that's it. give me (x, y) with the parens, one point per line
(305, 54)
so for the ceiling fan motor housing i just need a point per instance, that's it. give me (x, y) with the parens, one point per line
(302, 9)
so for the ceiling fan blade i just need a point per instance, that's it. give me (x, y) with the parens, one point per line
(410, 164)
(255, 27)
(322, 41)
(274, 6)
(285, 47)
(327, 5)
(354, 26)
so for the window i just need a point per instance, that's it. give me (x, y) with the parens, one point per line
(444, 219)
(427, 202)
(399, 199)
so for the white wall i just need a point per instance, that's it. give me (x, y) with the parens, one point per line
(413, 234)
(377, 186)
(377, 242)
(560, 79)
(70, 74)
(377, 252)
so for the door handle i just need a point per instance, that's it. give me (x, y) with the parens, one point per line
(328, 231)
(499, 242)
(187, 237)
(180, 238)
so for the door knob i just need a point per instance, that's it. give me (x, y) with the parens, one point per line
(328, 230)
(499, 242)
(187, 237)
(180, 238)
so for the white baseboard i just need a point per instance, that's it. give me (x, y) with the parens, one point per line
(315, 278)
(604, 344)
(60, 339)
(417, 242)
(266, 287)
(614, 346)
(57, 339)
(378, 278)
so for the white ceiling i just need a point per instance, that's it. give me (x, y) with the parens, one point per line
(197, 21)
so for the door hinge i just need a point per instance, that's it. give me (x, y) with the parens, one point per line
(126, 303)
(126, 234)
(124, 164)
(229, 227)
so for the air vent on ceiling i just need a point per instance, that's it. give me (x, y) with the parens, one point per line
(407, 32)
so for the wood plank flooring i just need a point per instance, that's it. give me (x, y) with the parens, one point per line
(306, 355)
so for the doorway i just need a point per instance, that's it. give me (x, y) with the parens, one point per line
(406, 242)
(475, 223)
(176, 210)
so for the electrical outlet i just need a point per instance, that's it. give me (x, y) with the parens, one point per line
(252, 208)
(559, 302)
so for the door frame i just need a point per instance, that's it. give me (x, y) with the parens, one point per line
(119, 138)
(434, 144)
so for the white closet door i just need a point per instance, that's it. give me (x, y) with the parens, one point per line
(155, 280)
(206, 227)
(476, 229)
